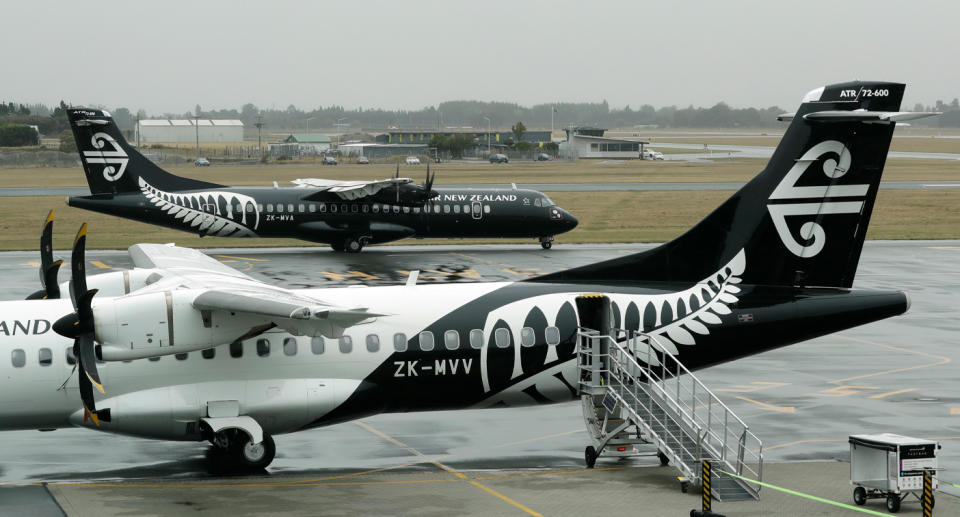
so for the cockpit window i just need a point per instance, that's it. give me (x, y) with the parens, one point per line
(547, 201)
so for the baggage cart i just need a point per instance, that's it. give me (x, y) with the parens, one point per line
(890, 466)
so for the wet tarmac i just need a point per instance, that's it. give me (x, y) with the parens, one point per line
(896, 375)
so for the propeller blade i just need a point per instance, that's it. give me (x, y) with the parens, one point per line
(78, 278)
(48, 267)
(86, 396)
(87, 359)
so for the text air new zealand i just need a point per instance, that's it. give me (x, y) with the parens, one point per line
(773, 265)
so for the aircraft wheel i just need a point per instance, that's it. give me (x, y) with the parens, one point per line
(252, 456)
(590, 455)
(352, 245)
(546, 245)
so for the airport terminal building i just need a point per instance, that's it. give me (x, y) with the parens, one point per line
(590, 142)
(189, 130)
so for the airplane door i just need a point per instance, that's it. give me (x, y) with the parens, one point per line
(477, 210)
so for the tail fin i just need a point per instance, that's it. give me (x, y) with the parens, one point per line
(111, 165)
(803, 219)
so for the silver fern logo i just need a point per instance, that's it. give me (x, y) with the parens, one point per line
(835, 166)
(114, 159)
(215, 213)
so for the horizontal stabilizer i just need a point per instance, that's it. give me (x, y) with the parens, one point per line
(876, 117)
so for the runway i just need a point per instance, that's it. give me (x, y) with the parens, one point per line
(803, 401)
(543, 187)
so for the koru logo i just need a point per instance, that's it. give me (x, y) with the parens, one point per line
(112, 158)
(835, 166)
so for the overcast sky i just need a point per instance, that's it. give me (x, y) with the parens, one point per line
(170, 55)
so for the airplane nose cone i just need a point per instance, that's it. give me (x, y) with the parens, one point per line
(566, 221)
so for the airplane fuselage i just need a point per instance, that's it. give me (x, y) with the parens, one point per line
(284, 212)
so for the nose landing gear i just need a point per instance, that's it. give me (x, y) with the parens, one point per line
(546, 242)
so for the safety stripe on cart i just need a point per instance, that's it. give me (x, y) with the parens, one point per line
(806, 496)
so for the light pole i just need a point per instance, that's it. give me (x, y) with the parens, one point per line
(196, 125)
(259, 125)
(488, 135)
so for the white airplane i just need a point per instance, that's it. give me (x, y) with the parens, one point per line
(185, 348)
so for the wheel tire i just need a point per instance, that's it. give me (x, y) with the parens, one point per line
(336, 246)
(546, 245)
(893, 503)
(590, 456)
(664, 460)
(352, 245)
(254, 457)
(860, 496)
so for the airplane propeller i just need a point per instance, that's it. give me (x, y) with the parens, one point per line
(48, 267)
(79, 326)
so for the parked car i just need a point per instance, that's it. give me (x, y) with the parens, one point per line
(499, 158)
(328, 160)
(363, 160)
(201, 162)
(542, 157)
(413, 160)
(650, 154)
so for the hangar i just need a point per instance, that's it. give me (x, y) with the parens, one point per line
(189, 130)
(590, 142)
(496, 137)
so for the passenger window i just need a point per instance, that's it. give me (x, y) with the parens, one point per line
(476, 339)
(181, 357)
(426, 341)
(436, 209)
(416, 209)
(280, 207)
(236, 349)
(238, 208)
(366, 208)
(19, 358)
(406, 209)
(323, 207)
(446, 209)
(536, 202)
(400, 342)
(396, 209)
(290, 207)
(502, 337)
(208, 353)
(260, 207)
(451, 339)
(476, 209)
(343, 208)
(553, 336)
(313, 208)
(486, 209)
(316, 345)
(354, 208)
(376, 209)
(249, 208)
(46, 357)
(456, 209)
(289, 346)
(302, 208)
(269, 207)
(346, 344)
(373, 343)
(466, 209)
(263, 347)
(71, 359)
(527, 337)
(333, 208)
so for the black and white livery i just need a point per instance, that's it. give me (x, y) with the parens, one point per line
(345, 214)
(216, 355)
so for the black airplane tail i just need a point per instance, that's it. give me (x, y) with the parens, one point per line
(112, 166)
(803, 219)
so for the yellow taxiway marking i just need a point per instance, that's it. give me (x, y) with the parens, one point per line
(525, 272)
(456, 473)
(471, 257)
(769, 407)
(356, 275)
(100, 265)
(840, 440)
(538, 438)
(31, 264)
(884, 395)
(243, 258)
(955, 411)
(753, 386)
(562, 473)
(941, 360)
(843, 391)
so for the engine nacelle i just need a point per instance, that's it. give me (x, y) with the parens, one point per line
(163, 323)
(118, 283)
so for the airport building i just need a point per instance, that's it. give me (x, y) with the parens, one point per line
(496, 138)
(189, 130)
(590, 142)
(382, 150)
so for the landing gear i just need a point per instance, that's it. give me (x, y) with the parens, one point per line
(546, 242)
(590, 456)
(349, 245)
(233, 452)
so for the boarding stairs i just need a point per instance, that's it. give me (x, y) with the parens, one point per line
(634, 391)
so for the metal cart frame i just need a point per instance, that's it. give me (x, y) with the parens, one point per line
(890, 466)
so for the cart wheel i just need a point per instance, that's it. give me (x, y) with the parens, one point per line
(684, 486)
(893, 503)
(590, 455)
(860, 496)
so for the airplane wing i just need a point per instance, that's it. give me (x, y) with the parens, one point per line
(349, 190)
(224, 288)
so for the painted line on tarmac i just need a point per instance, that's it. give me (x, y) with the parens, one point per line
(941, 360)
(243, 258)
(805, 496)
(769, 407)
(451, 470)
(100, 265)
(538, 438)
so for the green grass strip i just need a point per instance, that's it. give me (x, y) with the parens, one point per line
(806, 496)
